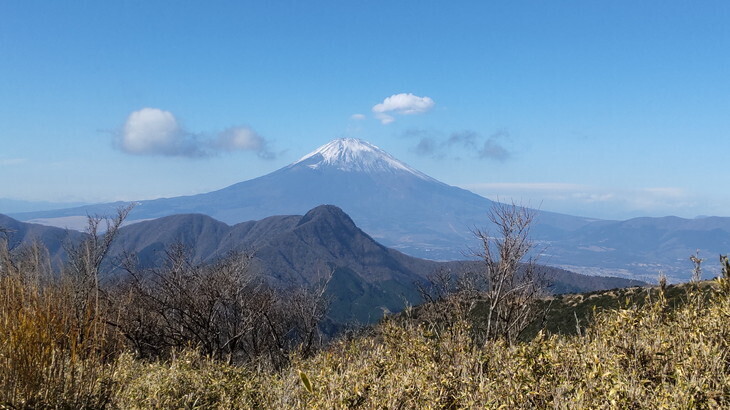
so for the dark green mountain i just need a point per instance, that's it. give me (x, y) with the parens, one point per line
(293, 250)
(18, 233)
(368, 277)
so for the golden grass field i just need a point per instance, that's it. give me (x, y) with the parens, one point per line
(638, 356)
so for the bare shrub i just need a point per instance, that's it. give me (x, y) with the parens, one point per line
(182, 304)
(499, 300)
(514, 280)
(223, 309)
(449, 298)
(295, 316)
(724, 279)
(697, 269)
(82, 270)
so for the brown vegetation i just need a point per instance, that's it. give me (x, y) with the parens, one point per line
(499, 300)
(222, 309)
(637, 357)
(53, 355)
(63, 335)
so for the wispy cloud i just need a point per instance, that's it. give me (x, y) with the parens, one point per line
(11, 161)
(493, 148)
(243, 139)
(401, 104)
(528, 186)
(426, 147)
(357, 117)
(152, 131)
(666, 192)
(462, 143)
(466, 139)
(603, 201)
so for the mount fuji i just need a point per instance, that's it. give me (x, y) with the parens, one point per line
(394, 203)
(405, 209)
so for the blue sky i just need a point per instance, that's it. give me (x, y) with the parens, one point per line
(609, 109)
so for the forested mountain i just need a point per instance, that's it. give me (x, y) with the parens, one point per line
(367, 277)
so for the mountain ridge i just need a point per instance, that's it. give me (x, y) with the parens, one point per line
(426, 218)
(296, 250)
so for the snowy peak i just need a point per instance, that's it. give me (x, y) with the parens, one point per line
(355, 155)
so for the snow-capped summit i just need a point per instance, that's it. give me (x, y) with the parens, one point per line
(355, 155)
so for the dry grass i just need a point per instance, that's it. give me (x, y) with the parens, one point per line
(49, 357)
(633, 358)
(647, 356)
(642, 357)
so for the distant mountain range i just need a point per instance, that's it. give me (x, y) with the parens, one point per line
(18, 233)
(8, 205)
(416, 214)
(296, 250)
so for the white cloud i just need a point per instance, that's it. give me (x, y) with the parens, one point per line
(403, 104)
(384, 118)
(151, 131)
(357, 117)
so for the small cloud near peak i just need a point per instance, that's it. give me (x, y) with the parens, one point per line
(240, 138)
(470, 143)
(494, 150)
(402, 104)
(243, 139)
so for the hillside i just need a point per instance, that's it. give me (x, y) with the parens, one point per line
(300, 250)
(637, 357)
(642, 356)
(570, 311)
(668, 350)
(368, 277)
(17, 233)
